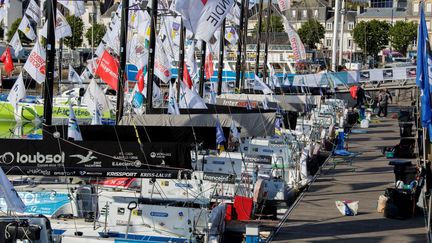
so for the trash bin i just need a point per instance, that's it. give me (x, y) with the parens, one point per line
(404, 171)
(405, 115)
(405, 129)
(400, 203)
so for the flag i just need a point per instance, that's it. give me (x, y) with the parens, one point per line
(96, 115)
(234, 14)
(186, 77)
(284, 4)
(108, 70)
(190, 99)
(213, 93)
(73, 75)
(137, 52)
(296, 43)
(15, 42)
(234, 131)
(137, 101)
(423, 80)
(212, 16)
(10, 195)
(26, 28)
(203, 17)
(231, 35)
(169, 35)
(140, 78)
(209, 67)
(17, 92)
(62, 27)
(6, 58)
(76, 8)
(162, 65)
(260, 85)
(265, 103)
(73, 128)
(86, 75)
(33, 11)
(248, 104)
(173, 108)
(95, 97)
(220, 137)
(35, 64)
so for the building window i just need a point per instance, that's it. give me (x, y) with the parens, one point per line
(293, 13)
(328, 42)
(329, 26)
(350, 25)
(415, 7)
(304, 14)
(429, 7)
(349, 43)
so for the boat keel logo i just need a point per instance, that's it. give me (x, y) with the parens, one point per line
(84, 159)
(38, 158)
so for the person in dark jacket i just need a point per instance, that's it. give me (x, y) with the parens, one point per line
(361, 97)
(383, 99)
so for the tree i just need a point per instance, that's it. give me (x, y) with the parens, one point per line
(98, 33)
(13, 29)
(311, 33)
(402, 34)
(77, 27)
(371, 36)
(276, 24)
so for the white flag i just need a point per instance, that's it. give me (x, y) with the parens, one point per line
(296, 43)
(96, 115)
(26, 28)
(234, 14)
(86, 75)
(265, 103)
(170, 36)
(173, 108)
(212, 16)
(190, 99)
(76, 8)
(3, 13)
(17, 92)
(260, 85)
(62, 27)
(138, 53)
(284, 4)
(35, 64)
(15, 42)
(73, 75)
(231, 35)
(162, 66)
(8, 192)
(234, 131)
(100, 49)
(73, 128)
(94, 95)
(33, 11)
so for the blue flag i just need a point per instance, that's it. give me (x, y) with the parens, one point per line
(422, 78)
(220, 137)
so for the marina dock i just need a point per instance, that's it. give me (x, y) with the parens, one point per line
(315, 218)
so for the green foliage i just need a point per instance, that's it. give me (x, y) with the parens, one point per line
(371, 36)
(311, 33)
(402, 34)
(276, 24)
(13, 29)
(77, 27)
(98, 33)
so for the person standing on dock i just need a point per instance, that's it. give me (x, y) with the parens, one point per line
(383, 98)
(361, 97)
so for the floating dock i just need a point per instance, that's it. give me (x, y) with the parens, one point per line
(315, 217)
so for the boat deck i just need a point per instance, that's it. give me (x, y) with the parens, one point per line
(316, 218)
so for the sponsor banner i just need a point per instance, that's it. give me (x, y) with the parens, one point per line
(258, 159)
(107, 70)
(219, 177)
(36, 157)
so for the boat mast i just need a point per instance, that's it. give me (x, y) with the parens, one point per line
(239, 43)
(259, 37)
(181, 58)
(121, 76)
(50, 62)
(245, 32)
(202, 79)
(60, 68)
(150, 67)
(221, 56)
(265, 74)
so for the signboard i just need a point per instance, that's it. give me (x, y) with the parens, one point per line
(46, 203)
